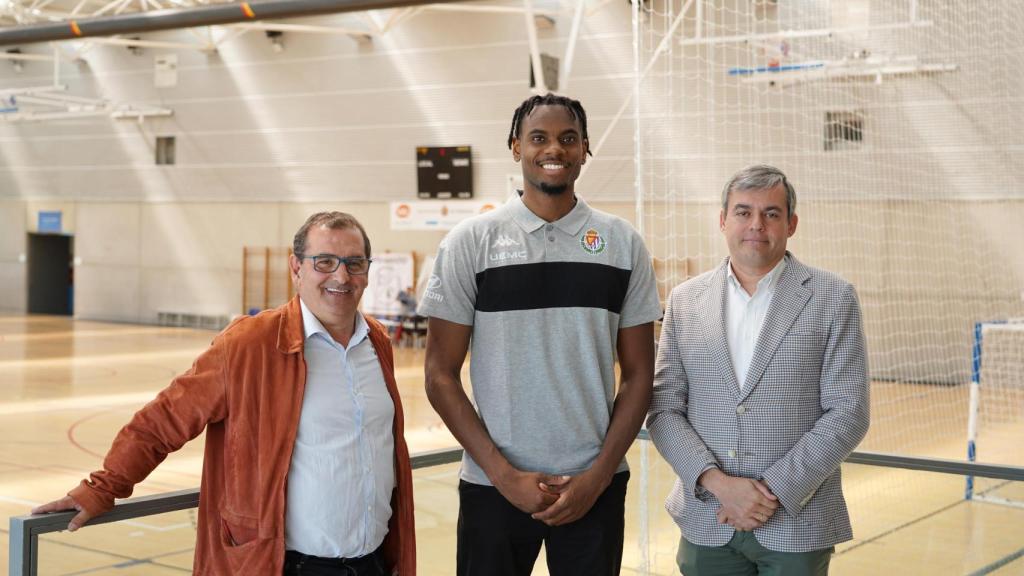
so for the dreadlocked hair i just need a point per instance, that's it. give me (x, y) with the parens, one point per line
(573, 106)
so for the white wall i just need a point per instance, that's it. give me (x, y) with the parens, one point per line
(13, 280)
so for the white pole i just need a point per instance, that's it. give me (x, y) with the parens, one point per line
(540, 87)
(699, 32)
(638, 167)
(650, 64)
(643, 542)
(973, 404)
(972, 433)
(570, 50)
(56, 65)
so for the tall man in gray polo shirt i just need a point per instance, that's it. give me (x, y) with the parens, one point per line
(550, 291)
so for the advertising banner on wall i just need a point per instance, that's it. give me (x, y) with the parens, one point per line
(435, 215)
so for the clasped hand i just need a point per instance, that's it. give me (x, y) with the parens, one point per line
(553, 500)
(746, 504)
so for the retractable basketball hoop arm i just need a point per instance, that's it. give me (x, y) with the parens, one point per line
(108, 24)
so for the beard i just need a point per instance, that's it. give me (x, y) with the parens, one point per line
(551, 189)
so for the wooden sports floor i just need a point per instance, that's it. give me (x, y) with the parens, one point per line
(67, 386)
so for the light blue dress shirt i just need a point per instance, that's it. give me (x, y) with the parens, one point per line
(342, 471)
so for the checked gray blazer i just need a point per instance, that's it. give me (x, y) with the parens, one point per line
(803, 410)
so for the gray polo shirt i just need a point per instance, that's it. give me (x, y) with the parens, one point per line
(546, 302)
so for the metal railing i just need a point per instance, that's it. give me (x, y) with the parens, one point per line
(25, 530)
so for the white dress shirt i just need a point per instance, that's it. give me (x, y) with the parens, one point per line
(744, 317)
(342, 473)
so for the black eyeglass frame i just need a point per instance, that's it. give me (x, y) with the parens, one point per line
(341, 260)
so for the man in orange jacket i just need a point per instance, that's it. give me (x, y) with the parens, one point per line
(306, 469)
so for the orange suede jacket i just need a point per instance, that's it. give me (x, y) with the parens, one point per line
(246, 391)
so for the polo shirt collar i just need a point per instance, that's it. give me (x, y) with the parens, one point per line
(571, 223)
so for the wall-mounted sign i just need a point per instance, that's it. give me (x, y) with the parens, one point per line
(435, 215)
(50, 222)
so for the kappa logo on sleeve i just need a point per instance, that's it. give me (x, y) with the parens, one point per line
(592, 242)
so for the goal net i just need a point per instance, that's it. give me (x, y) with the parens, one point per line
(995, 419)
(898, 123)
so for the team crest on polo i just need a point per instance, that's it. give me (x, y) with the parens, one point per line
(592, 241)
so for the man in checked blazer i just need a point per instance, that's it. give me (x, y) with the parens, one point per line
(760, 393)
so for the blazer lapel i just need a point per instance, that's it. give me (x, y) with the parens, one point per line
(789, 300)
(713, 325)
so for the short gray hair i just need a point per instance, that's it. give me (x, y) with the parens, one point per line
(760, 177)
(332, 221)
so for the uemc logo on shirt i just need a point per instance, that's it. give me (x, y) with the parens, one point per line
(513, 253)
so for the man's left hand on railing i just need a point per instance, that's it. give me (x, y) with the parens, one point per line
(64, 504)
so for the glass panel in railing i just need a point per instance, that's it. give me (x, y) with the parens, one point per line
(437, 515)
(920, 523)
(158, 545)
(904, 522)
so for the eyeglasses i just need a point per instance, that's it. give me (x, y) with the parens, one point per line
(329, 263)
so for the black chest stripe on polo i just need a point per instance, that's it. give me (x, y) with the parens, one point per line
(551, 285)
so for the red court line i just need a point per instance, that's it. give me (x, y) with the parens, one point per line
(74, 442)
(71, 432)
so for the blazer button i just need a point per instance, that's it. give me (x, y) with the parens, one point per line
(741, 409)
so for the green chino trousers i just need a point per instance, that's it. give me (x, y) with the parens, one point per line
(745, 556)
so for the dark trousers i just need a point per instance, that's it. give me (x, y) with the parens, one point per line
(297, 564)
(497, 539)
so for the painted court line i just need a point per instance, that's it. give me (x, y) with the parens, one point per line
(896, 529)
(128, 560)
(998, 563)
(81, 334)
(76, 403)
(103, 360)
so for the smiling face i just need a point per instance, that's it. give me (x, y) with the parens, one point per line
(333, 298)
(551, 149)
(757, 225)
